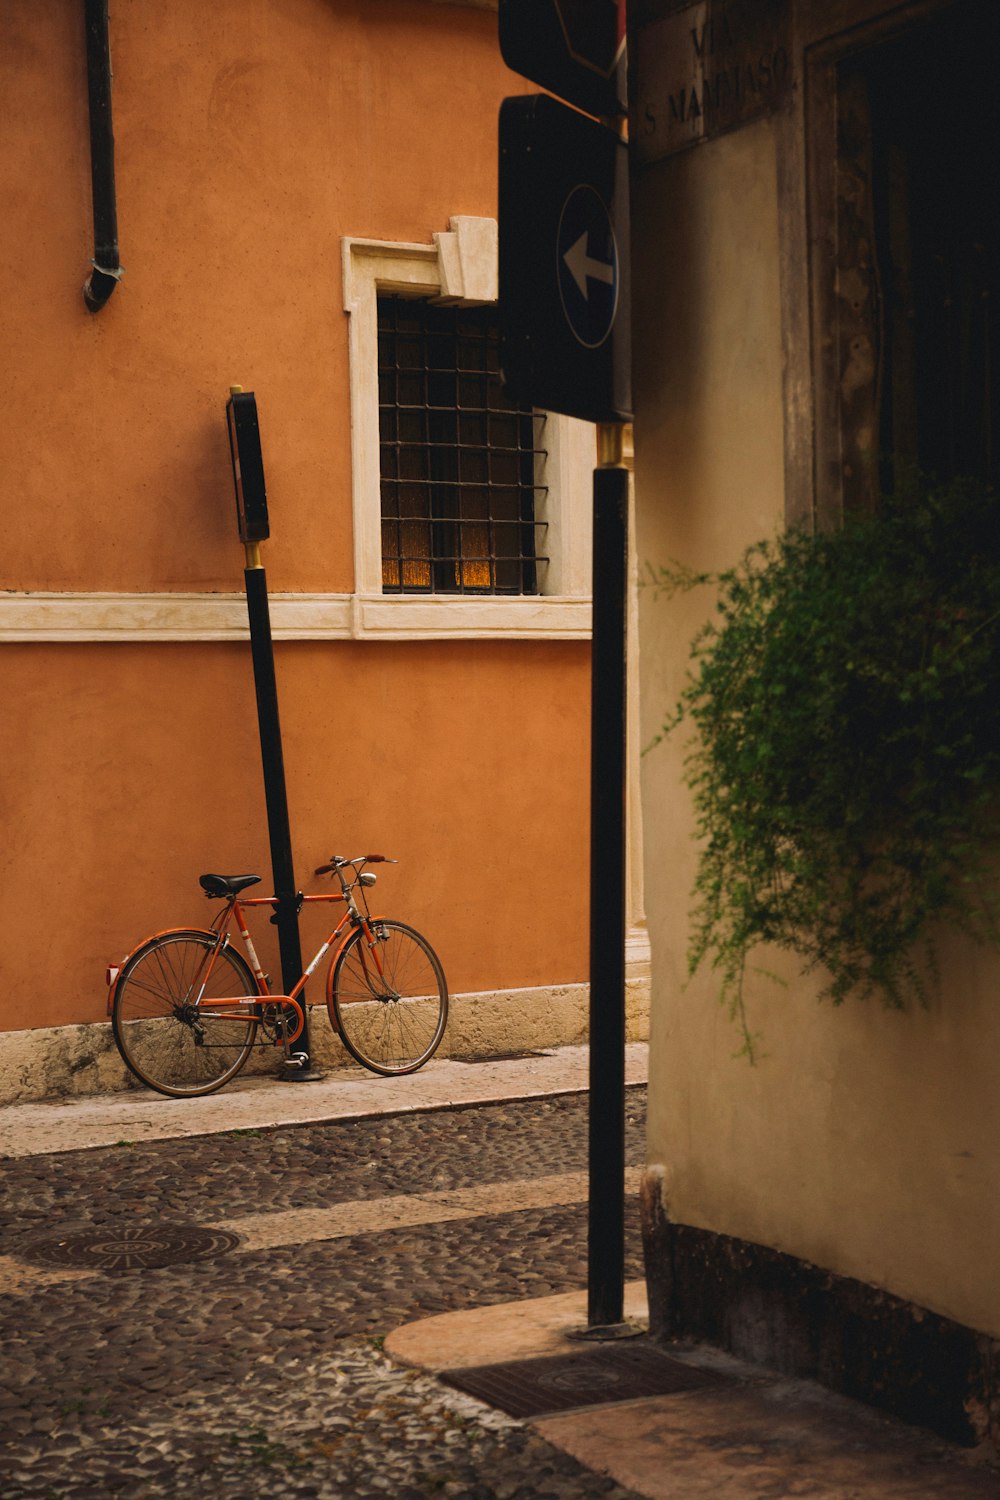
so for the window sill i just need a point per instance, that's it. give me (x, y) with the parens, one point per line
(406, 617)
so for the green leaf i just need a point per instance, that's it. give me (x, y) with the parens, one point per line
(844, 744)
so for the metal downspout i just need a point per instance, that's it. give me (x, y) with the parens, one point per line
(107, 267)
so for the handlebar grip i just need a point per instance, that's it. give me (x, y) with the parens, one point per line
(362, 859)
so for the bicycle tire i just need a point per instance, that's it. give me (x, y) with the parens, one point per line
(161, 1039)
(390, 1020)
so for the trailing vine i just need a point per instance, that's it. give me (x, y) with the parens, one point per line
(845, 760)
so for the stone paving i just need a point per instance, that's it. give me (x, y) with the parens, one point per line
(260, 1371)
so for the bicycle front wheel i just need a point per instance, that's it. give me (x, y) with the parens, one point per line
(388, 998)
(164, 1035)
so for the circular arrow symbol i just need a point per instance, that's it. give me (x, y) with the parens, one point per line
(587, 266)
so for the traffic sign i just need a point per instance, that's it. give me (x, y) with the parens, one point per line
(564, 310)
(587, 266)
(248, 465)
(575, 48)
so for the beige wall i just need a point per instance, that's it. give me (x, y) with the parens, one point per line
(863, 1141)
(251, 137)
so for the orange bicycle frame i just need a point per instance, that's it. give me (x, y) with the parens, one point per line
(235, 910)
(241, 1007)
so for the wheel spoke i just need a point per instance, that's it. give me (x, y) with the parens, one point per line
(393, 1022)
(154, 1014)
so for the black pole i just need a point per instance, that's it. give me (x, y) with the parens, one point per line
(606, 1230)
(287, 915)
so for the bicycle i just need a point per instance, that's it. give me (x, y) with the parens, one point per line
(186, 1006)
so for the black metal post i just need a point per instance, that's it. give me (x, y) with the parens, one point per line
(606, 1230)
(274, 788)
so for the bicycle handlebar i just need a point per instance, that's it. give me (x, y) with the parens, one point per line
(337, 862)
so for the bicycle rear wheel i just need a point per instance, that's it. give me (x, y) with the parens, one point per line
(388, 1000)
(167, 1041)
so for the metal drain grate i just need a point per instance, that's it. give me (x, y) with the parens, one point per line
(590, 1377)
(488, 1057)
(136, 1247)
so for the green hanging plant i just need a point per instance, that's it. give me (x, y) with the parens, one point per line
(845, 702)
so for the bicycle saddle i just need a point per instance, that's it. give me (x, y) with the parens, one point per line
(226, 885)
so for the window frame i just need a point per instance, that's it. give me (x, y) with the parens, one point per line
(817, 443)
(459, 460)
(458, 267)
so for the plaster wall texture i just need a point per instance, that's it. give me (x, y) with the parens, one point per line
(863, 1141)
(73, 1062)
(250, 139)
(127, 778)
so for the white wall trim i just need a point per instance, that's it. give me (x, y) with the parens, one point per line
(394, 616)
(459, 267)
(76, 617)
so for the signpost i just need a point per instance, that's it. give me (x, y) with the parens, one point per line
(251, 511)
(564, 300)
(573, 48)
(565, 323)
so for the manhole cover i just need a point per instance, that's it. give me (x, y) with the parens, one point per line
(132, 1247)
(591, 1377)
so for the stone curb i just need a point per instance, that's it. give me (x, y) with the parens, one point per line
(38, 1129)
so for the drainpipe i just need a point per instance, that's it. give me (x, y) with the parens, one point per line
(107, 268)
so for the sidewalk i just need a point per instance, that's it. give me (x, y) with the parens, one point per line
(737, 1433)
(77, 1124)
(747, 1435)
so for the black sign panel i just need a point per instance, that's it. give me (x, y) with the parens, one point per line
(564, 304)
(248, 466)
(575, 48)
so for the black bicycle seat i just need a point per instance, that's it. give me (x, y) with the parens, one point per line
(226, 885)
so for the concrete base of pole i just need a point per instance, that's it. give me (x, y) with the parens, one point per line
(604, 1333)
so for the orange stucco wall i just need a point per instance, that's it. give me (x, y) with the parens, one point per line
(130, 770)
(251, 135)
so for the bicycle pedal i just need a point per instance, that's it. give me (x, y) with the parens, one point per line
(299, 1069)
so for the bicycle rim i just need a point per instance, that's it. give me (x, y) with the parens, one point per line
(391, 1014)
(166, 1042)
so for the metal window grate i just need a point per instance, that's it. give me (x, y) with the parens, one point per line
(460, 464)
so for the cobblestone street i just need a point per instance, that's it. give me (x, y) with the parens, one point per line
(259, 1370)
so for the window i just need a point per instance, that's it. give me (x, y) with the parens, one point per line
(472, 518)
(457, 460)
(906, 248)
(933, 204)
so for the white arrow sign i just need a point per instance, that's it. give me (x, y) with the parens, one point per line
(582, 266)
